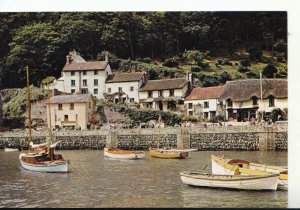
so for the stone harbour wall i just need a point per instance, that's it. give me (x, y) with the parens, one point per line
(248, 138)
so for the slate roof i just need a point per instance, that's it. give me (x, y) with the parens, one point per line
(125, 77)
(205, 93)
(93, 65)
(64, 99)
(164, 84)
(243, 90)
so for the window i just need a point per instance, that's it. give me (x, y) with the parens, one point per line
(131, 99)
(206, 104)
(131, 88)
(60, 107)
(149, 94)
(84, 73)
(109, 90)
(72, 73)
(229, 102)
(72, 83)
(95, 91)
(95, 72)
(66, 118)
(71, 106)
(72, 91)
(190, 105)
(171, 92)
(84, 91)
(84, 82)
(212, 115)
(95, 82)
(190, 113)
(205, 115)
(120, 89)
(160, 93)
(271, 101)
(181, 102)
(254, 100)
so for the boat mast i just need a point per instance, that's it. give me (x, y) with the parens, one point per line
(158, 135)
(261, 93)
(28, 107)
(50, 131)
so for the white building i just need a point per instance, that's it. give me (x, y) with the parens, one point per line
(204, 102)
(243, 98)
(80, 76)
(125, 87)
(165, 94)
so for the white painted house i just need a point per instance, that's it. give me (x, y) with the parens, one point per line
(243, 98)
(204, 102)
(80, 76)
(165, 94)
(125, 87)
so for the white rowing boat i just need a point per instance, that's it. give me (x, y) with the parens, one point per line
(251, 182)
(11, 149)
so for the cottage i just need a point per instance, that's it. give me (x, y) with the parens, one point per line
(125, 87)
(80, 76)
(71, 111)
(245, 99)
(166, 94)
(204, 102)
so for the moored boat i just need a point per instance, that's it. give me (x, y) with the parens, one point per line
(168, 154)
(180, 149)
(7, 149)
(123, 154)
(225, 166)
(250, 182)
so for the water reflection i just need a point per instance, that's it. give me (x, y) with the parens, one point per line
(96, 181)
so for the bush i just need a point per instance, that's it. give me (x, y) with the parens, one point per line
(196, 69)
(280, 46)
(242, 69)
(224, 77)
(255, 53)
(269, 71)
(171, 62)
(146, 60)
(226, 61)
(282, 74)
(202, 64)
(252, 75)
(209, 81)
(153, 74)
(218, 119)
(245, 63)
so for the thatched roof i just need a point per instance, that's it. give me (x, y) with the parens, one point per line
(94, 65)
(66, 99)
(242, 90)
(205, 93)
(164, 84)
(126, 77)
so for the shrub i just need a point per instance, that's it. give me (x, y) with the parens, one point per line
(153, 74)
(255, 53)
(242, 69)
(245, 63)
(226, 61)
(147, 60)
(171, 62)
(269, 71)
(196, 69)
(224, 77)
(252, 75)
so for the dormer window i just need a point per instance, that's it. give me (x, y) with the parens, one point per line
(271, 101)
(84, 72)
(229, 102)
(254, 100)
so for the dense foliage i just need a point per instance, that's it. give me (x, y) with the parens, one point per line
(42, 40)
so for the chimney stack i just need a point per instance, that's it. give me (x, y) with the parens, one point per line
(54, 92)
(106, 56)
(68, 60)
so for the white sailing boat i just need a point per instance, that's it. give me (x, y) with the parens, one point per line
(45, 161)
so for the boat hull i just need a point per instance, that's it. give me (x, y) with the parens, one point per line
(240, 182)
(11, 150)
(168, 154)
(221, 167)
(125, 155)
(61, 167)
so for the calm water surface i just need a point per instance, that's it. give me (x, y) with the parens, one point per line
(96, 181)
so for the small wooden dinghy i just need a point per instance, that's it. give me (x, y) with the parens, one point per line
(123, 154)
(225, 166)
(168, 154)
(251, 182)
(180, 149)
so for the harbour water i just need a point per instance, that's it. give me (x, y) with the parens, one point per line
(96, 181)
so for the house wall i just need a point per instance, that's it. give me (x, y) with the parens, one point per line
(125, 88)
(64, 83)
(82, 110)
(212, 106)
(263, 105)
